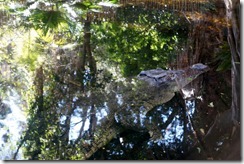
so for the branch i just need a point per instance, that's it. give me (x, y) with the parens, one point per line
(21, 143)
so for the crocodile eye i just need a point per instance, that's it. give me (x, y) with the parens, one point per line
(142, 74)
(199, 66)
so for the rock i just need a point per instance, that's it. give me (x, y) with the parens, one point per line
(4, 110)
(1, 125)
(5, 137)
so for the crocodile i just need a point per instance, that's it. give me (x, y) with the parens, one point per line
(172, 80)
(138, 96)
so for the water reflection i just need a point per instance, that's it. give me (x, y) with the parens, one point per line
(77, 121)
(168, 126)
(170, 119)
(12, 125)
(79, 106)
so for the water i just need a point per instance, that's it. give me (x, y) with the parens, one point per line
(12, 127)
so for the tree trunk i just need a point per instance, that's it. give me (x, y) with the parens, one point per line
(232, 14)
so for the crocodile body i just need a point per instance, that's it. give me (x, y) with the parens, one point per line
(155, 87)
(149, 89)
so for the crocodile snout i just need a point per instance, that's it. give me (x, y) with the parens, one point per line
(200, 67)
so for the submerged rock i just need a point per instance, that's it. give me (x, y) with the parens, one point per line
(1, 125)
(5, 137)
(4, 110)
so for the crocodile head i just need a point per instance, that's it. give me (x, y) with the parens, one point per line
(199, 67)
(172, 79)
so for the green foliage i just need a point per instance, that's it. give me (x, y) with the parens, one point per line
(138, 46)
(209, 6)
(114, 1)
(224, 58)
(48, 20)
(86, 5)
(46, 16)
(135, 42)
(31, 52)
(42, 136)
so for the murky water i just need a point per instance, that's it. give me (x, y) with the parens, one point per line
(86, 103)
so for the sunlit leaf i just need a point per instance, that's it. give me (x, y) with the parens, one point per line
(47, 20)
(82, 5)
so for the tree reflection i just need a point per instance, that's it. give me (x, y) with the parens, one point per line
(85, 104)
(177, 135)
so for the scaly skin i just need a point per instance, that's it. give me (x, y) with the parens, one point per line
(140, 95)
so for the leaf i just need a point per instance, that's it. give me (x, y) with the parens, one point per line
(202, 131)
(153, 47)
(162, 45)
(82, 5)
(95, 7)
(199, 150)
(47, 20)
(114, 1)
